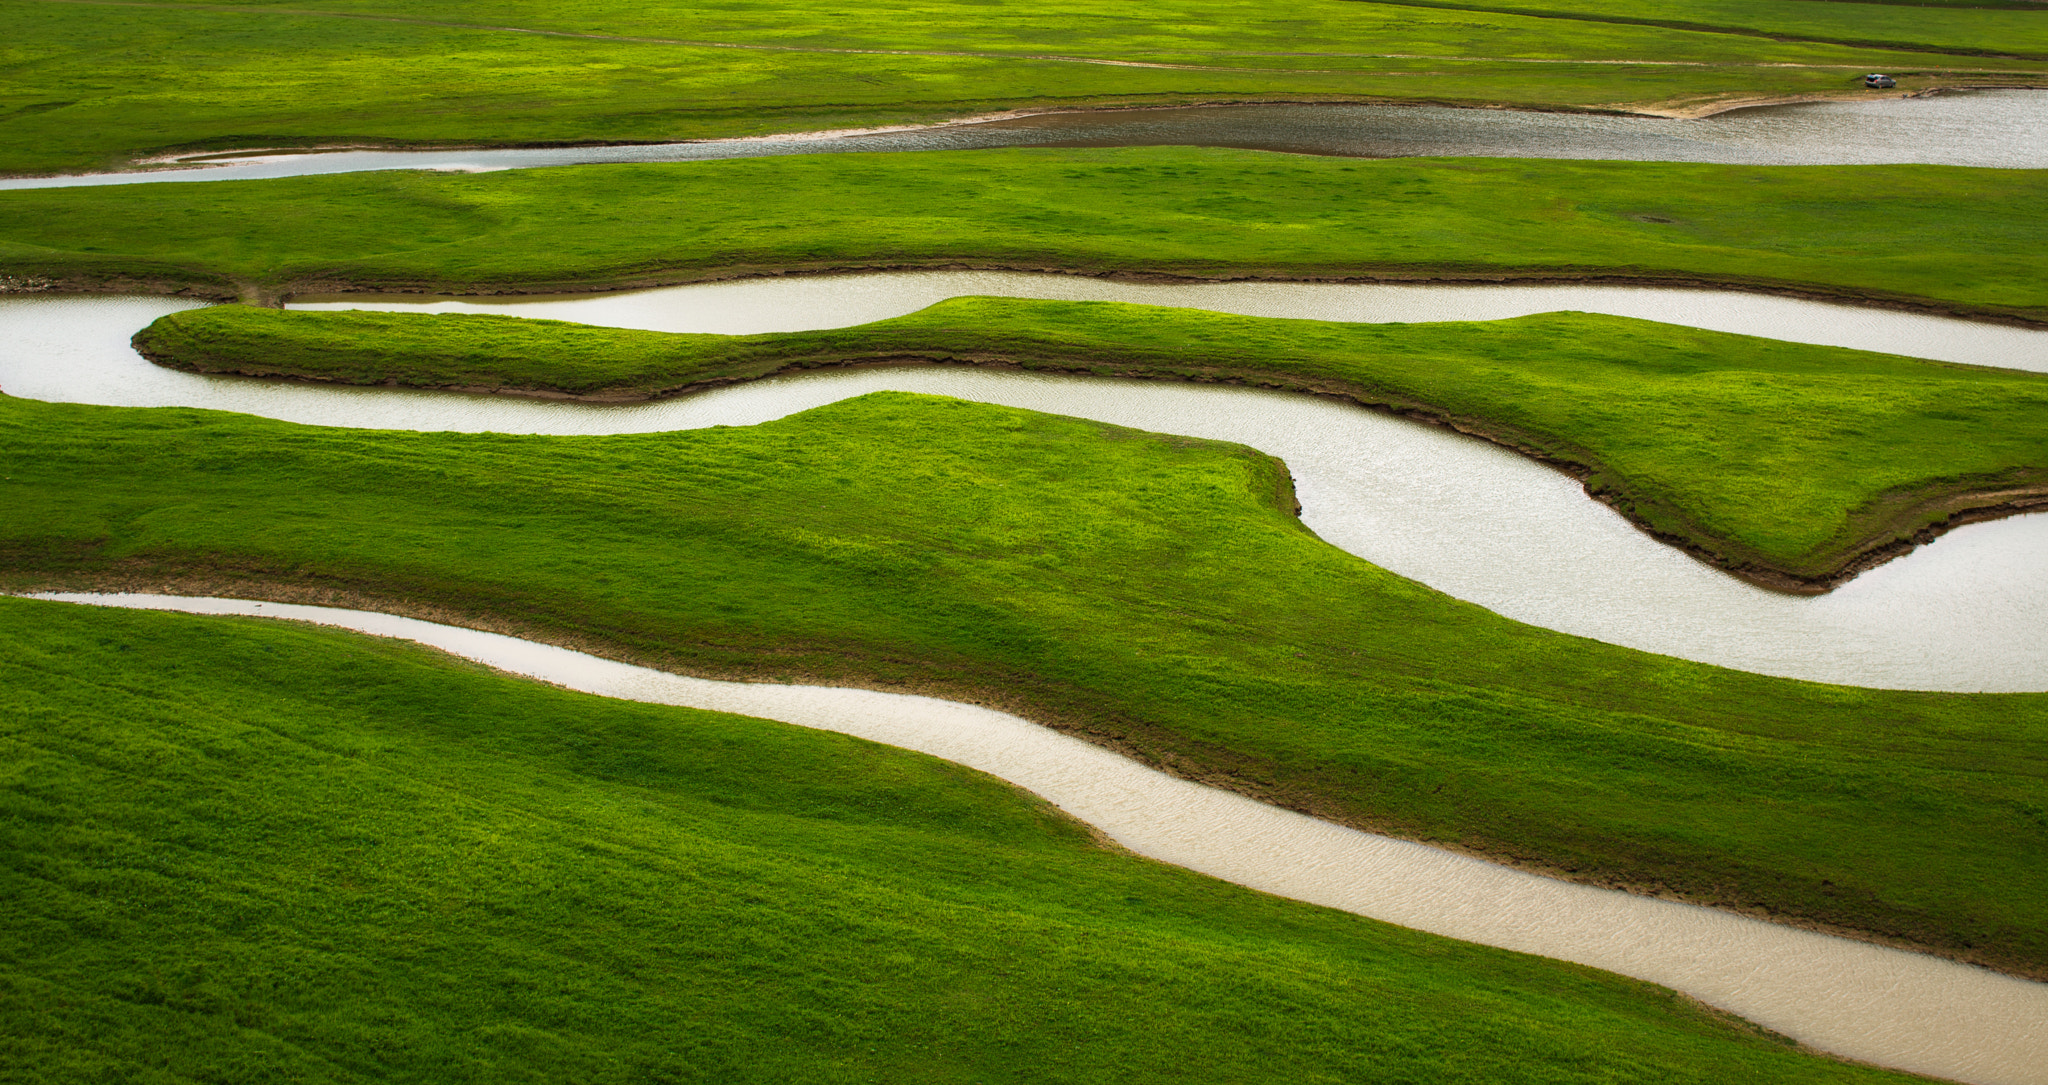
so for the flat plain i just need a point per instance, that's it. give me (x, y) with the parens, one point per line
(1952, 239)
(95, 84)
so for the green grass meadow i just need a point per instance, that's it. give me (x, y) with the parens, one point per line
(238, 851)
(1151, 592)
(1780, 459)
(92, 85)
(1950, 237)
(251, 851)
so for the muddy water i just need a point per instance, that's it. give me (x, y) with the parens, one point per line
(802, 303)
(1897, 1009)
(1450, 511)
(1989, 128)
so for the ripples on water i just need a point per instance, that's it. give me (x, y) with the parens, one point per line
(2006, 129)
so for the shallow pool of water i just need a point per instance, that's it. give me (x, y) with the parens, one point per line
(1453, 512)
(1898, 1009)
(2006, 129)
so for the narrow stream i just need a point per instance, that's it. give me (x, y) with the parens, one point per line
(1999, 128)
(1894, 1008)
(1453, 512)
(806, 302)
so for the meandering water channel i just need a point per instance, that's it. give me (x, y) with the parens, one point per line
(1898, 1009)
(1474, 520)
(1453, 512)
(2007, 129)
(1465, 517)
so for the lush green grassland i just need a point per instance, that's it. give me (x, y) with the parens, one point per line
(1967, 239)
(248, 851)
(1972, 27)
(91, 85)
(1153, 593)
(1784, 461)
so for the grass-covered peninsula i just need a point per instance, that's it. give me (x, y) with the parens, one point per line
(1792, 465)
(1932, 237)
(245, 850)
(1155, 594)
(97, 84)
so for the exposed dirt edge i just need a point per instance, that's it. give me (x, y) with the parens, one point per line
(1100, 731)
(1912, 521)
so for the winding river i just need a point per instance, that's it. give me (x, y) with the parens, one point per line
(1474, 520)
(1880, 1005)
(2006, 129)
(1453, 512)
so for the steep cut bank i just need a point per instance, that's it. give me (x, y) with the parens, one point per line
(1792, 466)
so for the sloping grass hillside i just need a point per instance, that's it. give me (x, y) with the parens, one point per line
(1933, 236)
(239, 850)
(1148, 592)
(1785, 462)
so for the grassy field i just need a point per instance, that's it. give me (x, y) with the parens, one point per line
(1782, 461)
(1936, 236)
(92, 85)
(1153, 593)
(251, 851)
(1972, 26)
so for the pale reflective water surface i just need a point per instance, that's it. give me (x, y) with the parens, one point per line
(1984, 128)
(1453, 512)
(800, 303)
(1898, 1009)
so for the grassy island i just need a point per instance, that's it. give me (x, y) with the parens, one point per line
(1792, 465)
(257, 851)
(1936, 238)
(1154, 594)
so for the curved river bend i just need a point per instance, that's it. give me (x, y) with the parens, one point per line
(1880, 1005)
(1453, 512)
(2007, 129)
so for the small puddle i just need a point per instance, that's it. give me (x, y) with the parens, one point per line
(1897, 1009)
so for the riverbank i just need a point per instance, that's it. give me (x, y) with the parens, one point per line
(102, 84)
(1860, 458)
(1951, 240)
(1154, 595)
(850, 907)
(1091, 127)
